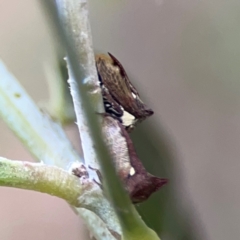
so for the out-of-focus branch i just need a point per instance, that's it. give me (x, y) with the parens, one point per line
(44, 138)
(59, 105)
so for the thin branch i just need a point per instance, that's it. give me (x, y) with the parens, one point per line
(44, 138)
(15, 106)
(131, 223)
(83, 85)
(56, 182)
(94, 200)
(41, 178)
(74, 15)
(96, 226)
(60, 104)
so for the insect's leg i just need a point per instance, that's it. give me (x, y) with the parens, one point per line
(99, 176)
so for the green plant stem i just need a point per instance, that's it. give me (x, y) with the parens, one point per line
(41, 178)
(59, 105)
(67, 26)
(44, 138)
(97, 227)
(56, 182)
(74, 17)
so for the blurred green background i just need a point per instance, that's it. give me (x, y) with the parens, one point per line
(183, 57)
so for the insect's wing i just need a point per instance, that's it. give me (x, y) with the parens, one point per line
(115, 79)
(124, 74)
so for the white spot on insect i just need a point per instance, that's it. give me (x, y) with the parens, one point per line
(132, 171)
(134, 95)
(108, 105)
(127, 118)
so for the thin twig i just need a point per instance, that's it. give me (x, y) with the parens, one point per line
(131, 223)
(41, 178)
(44, 138)
(56, 182)
(74, 15)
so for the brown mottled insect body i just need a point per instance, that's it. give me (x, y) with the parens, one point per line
(124, 109)
(121, 99)
(139, 183)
